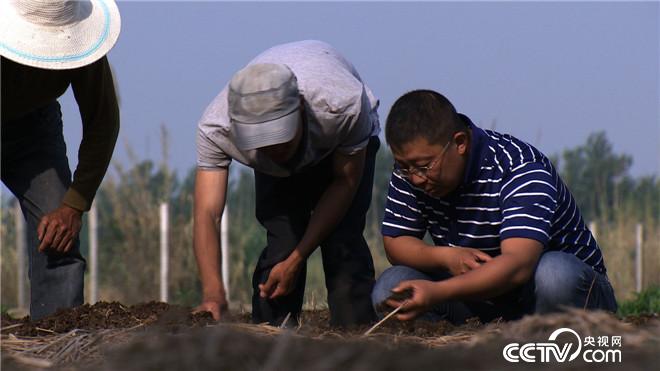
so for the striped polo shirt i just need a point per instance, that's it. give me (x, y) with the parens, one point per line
(510, 189)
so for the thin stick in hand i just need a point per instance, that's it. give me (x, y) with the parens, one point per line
(283, 324)
(386, 318)
(586, 302)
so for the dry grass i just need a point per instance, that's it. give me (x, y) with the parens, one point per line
(617, 239)
(8, 256)
(60, 349)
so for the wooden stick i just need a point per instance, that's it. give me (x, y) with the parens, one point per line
(586, 302)
(31, 361)
(45, 330)
(385, 319)
(285, 320)
(12, 326)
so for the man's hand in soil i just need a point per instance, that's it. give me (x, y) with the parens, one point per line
(281, 280)
(58, 230)
(417, 297)
(464, 259)
(217, 307)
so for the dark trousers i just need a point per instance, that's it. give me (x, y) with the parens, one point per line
(284, 207)
(36, 170)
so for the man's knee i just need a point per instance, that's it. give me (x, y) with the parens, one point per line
(558, 280)
(390, 279)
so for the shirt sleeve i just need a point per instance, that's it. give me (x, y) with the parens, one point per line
(360, 130)
(94, 91)
(403, 216)
(209, 155)
(528, 200)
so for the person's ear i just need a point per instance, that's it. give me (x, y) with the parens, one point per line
(462, 141)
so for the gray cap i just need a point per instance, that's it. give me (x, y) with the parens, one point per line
(264, 105)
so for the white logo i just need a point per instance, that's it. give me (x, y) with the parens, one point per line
(546, 352)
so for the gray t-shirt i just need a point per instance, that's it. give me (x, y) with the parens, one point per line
(340, 111)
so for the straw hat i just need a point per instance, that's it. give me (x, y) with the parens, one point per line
(57, 34)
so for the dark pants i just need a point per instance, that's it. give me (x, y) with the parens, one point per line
(560, 280)
(284, 207)
(36, 170)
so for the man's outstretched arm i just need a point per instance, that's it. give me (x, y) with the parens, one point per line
(94, 90)
(210, 196)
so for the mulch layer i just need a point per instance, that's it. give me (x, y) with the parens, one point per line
(159, 336)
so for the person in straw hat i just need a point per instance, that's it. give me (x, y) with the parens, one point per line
(300, 115)
(45, 46)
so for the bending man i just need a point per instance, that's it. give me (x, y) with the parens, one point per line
(300, 115)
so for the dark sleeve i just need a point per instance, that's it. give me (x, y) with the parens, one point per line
(94, 91)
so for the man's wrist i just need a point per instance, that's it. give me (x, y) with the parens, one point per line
(215, 298)
(296, 257)
(73, 209)
(75, 200)
(214, 294)
(442, 291)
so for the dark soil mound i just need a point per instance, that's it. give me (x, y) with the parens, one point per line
(103, 315)
(226, 348)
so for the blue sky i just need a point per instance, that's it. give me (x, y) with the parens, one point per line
(549, 73)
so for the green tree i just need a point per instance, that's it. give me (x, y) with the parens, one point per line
(592, 172)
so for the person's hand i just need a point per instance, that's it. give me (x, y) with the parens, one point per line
(281, 280)
(417, 297)
(58, 230)
(464, 259)
(217, 307)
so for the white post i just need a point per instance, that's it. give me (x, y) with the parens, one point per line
(20, 257)
(224, 246)
(93, 254)
(593, 229)
(638, 258)
(164, 263)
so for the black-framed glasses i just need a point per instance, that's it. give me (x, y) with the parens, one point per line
(420, 171)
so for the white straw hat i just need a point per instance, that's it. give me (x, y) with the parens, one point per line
(57, 34)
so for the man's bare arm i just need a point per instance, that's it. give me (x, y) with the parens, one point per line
(415, 253)
(328, 212)
(334, 202)
(210, 196)
(512, 268)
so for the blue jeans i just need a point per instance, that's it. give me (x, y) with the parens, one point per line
(36, 170)
(560, 279)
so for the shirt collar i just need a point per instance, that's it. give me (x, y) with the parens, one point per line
(478, 146)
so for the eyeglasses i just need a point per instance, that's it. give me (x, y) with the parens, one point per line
(421, 171)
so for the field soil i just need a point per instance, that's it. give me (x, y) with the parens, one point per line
(159, 336)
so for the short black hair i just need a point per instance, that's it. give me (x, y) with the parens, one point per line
(422, 113)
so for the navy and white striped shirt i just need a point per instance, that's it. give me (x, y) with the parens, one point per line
(510, 190)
